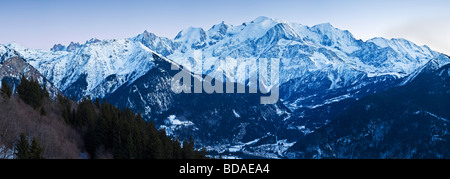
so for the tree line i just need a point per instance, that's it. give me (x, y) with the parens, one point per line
(110, 132)
(107, 131)
(113, 133)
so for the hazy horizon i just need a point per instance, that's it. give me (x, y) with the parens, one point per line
(41, 24)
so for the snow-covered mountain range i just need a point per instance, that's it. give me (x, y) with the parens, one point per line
(302, 50)
(322, 71)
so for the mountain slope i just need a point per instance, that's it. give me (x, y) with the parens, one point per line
(12, 67)
(409, 121)
(319, 65)
(209, 118)
(95, 68)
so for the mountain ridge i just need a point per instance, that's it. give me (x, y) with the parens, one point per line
(323, 70)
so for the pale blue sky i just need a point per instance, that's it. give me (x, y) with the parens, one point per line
(39, 24)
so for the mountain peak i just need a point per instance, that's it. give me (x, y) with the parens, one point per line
(161, 45)
(144, 37)
(325, 28)
(324, 25)
(189, 32)
(218, 31)
(192, 37)
(261, 19)
(6, 52)
(14, 45)
(92, 40)
(72, 46)
(58, 47)
(147, 34)
(220, 25)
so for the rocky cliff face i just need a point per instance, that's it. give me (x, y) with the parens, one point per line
(12, 68)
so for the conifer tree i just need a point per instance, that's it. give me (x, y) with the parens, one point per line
(177, 153)
(35, 150)
(22, 88)
(125, 134)
(85, 113)
(43, 112)
(167, 144)
(45, 93)
(97, 103)
(155, 144)
(186, 151)
(22, 147)
(65, 107)
(6, 89)
(30, 92)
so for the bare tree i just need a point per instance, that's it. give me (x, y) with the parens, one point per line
(57, 139)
